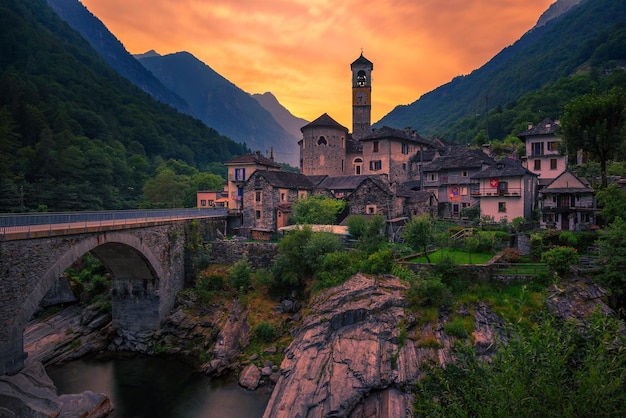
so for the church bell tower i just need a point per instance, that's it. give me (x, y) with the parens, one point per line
(361, 97)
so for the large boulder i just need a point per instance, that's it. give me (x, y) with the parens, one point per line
(31, 393)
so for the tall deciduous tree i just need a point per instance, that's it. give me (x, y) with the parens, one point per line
(595, 124)
(317, 210)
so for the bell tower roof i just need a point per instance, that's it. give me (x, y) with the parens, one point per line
(362, 62)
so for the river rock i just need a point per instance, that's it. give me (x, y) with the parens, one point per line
(250, 377)
(31, 393)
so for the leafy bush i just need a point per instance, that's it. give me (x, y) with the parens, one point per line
(318, 245)
(336, 268)
(456, 328)
(265, 332)
(371, 238)
(559, 259)
(315, 210)
(430, 291)
(568, 239)
(241, 274)
(356, 226)
(548, 370)
(536, 246)
(511, 255)
(380, 262)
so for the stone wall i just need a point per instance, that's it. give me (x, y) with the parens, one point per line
(260, 254)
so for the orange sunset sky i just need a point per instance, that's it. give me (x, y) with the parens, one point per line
(301, 50)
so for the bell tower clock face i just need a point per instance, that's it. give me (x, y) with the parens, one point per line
(361, 97)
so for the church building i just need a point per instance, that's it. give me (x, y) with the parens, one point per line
(327, 148)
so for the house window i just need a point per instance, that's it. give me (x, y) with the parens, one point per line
(202, 202)
(376, 165)
(257, 196)
(375, 149)
(501, 206)
(464, 191)
(370, 209)
(537, 164)
(257, 213)
(431, 176)
(503, 187)
(322, 161)
(552, 163)
(240, 174)
(283, 197)
(463, 173)
(357, 170)
(301, 195)
(537, 148)
(552, 146)
(322, 141)
(405, 149)
(211, 203)
(403, 166)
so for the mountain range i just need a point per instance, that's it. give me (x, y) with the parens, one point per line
(570, 37)
(192, 87)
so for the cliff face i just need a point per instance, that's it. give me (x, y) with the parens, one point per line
(354, 357)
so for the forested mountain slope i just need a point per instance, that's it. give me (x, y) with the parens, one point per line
(562, 47)
(74, 134)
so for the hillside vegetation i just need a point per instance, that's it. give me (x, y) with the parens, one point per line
(75, 135)
(589, 35)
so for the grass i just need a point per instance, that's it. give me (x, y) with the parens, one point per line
(523, 268)
(458, 256)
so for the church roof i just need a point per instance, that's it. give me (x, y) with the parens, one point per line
(362, 61)
(325, 121)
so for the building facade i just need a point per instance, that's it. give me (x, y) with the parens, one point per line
(506, 190)
(361, 97)
(239, 170)
(543, 155)
(567, 203)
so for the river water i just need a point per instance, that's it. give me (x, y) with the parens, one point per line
(152, 387)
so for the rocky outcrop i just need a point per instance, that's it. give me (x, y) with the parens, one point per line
(233, 337)
(70, 334)
(31, 393)
(577, 299)
(347, 348)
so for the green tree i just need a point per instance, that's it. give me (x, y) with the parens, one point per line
(317, 210)
(560, 259)
(552, 369)
(595, 124)
(612, 251)
(419, 234)
(166, 190)
(613, 203)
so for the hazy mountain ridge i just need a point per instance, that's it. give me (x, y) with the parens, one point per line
(281, 114)
(222, 105)
(114, 52)
(546, 53)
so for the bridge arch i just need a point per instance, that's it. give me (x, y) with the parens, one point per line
(124, 255)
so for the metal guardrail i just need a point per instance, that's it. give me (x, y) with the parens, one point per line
(27, 222)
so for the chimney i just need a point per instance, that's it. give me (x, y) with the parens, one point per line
(272, 153)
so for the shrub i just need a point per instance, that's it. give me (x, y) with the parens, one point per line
(511, 255)
(380, 262)
(568, 239)
(536, 246)
(356, 226)
(559, 259)
(318, 245)
(456, 328)
(241, 274)
(265, 332)
(431, 292)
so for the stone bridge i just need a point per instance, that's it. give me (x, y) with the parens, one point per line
(146, 262)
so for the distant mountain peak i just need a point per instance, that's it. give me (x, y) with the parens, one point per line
(149, 54)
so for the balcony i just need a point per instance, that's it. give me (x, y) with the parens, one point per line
(493, 192)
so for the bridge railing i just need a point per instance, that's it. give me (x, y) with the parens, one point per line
(27, 222)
